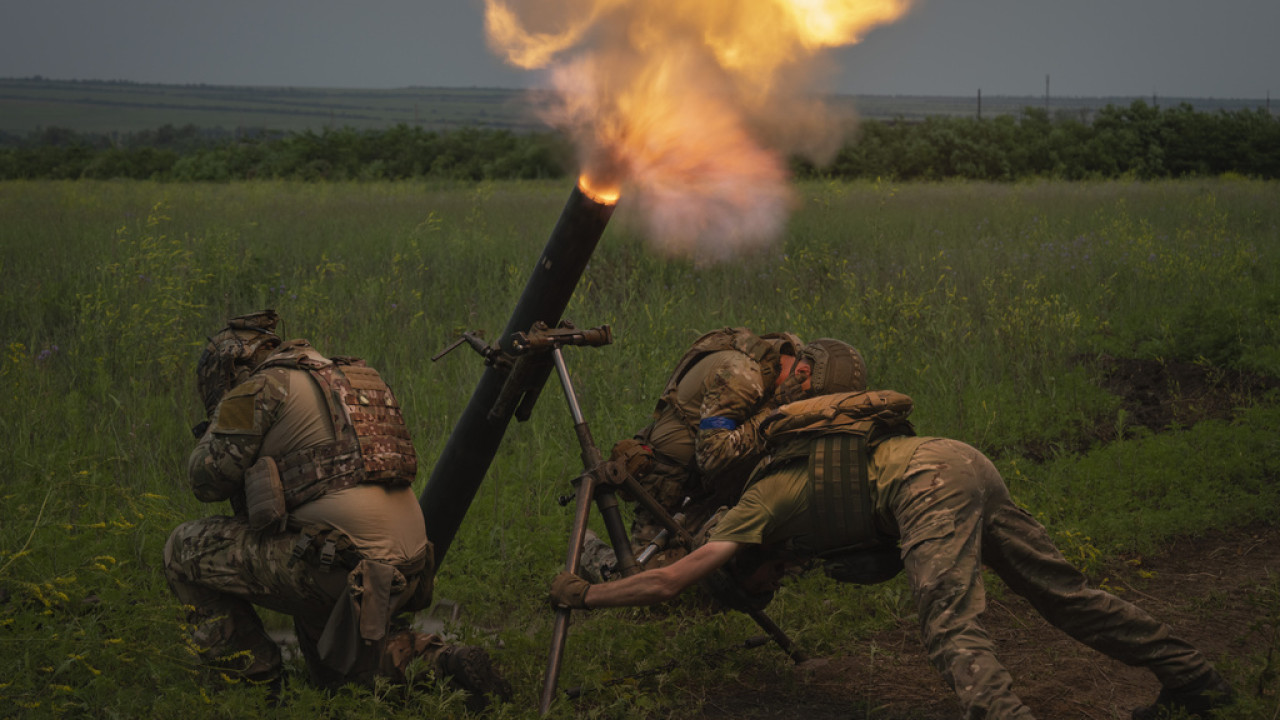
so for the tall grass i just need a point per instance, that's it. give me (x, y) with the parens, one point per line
(982, 302)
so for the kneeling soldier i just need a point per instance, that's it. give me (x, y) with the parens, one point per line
(315, 458)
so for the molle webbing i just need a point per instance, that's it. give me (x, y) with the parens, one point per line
(372, 443)
(375, 417)
(840, 509)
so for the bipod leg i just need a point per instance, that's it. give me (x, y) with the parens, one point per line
(589, 490)
(572, 562)
(619, 538)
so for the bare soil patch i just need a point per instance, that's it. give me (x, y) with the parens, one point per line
(1212, 590)
(1160, 395)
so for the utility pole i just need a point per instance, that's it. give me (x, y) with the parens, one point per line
(1046, 93)
(979, 103)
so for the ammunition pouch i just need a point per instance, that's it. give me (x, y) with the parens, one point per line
(264, 496)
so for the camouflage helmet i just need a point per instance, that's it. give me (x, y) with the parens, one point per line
(232, 354)
(784, 342)
(837, 367)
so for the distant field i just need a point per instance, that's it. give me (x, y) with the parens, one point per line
(27, 105)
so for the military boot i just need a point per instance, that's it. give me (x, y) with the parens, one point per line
(597, 559)
(472, 669)
(1196, 698)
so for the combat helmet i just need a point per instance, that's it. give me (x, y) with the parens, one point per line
(784, 342)
(232, 354)
(837, 367)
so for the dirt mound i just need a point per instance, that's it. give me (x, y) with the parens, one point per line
(1160, 395)
(1219, 592)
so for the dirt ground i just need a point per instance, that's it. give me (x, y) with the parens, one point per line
(1213, 590)
(1218, 591)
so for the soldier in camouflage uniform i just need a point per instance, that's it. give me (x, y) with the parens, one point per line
(315, 459)
(947, 509)
(697, 453)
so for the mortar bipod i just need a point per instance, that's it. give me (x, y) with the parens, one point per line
(592, 486)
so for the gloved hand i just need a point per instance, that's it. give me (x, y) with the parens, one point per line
(634, 456)
(791, 390)
(569, 592)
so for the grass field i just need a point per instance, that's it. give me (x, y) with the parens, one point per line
(28, 104)
(985, 303)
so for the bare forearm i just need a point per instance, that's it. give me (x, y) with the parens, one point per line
(647, 588)
(664, 583)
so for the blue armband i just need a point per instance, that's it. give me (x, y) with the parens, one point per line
(717, 422)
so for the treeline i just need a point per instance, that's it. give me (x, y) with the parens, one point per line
(1140, 141)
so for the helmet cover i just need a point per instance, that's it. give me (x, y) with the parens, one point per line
(231, 355)
(837, 367)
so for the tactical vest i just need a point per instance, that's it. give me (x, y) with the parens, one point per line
(371, 444)
(730, 338)
(834, 434)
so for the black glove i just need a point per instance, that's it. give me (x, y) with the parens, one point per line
(200, 428)
(569, 592)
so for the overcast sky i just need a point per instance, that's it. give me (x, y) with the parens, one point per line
(1170, 48)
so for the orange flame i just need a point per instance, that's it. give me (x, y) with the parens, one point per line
(692, 107)
(603, 194)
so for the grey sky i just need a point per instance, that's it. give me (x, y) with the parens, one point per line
(1172, 48)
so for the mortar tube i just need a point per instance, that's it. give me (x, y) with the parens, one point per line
(466, 457)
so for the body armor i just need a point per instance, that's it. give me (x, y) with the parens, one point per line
(372, 443)
(834, 435)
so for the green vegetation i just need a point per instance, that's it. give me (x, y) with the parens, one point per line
(1135, 142)
(981, 301)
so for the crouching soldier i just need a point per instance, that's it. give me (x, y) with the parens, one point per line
(700, 447)
(848, 482)
(315, 458)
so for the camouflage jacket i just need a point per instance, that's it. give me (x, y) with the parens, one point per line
(327, 423)
(717, 402)
(235, 436)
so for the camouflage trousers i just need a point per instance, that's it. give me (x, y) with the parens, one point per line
(219, 569)
(954, 513)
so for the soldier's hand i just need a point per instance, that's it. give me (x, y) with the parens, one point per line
(569, 592)
(633, 455)
(791, 390)
(200, 428)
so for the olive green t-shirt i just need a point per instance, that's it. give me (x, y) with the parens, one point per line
(775, 508)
